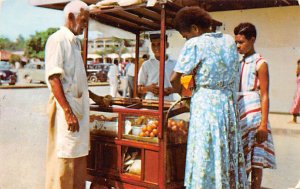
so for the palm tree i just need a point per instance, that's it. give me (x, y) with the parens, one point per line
(102, 53)
(120, 48)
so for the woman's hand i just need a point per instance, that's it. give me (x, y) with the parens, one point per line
(262, 134)
(168, 91)
(175, 82)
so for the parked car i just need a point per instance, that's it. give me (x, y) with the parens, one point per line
(34, 72)
(97, 72)
(7, 76)
(5, 65)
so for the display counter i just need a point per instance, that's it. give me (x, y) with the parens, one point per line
(126, 144)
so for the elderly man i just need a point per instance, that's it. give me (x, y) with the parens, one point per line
(68, 107)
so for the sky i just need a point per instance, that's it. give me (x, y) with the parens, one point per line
(19, 17)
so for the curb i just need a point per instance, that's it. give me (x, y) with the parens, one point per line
(284, 131)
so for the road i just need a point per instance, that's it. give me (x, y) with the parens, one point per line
(286, 140)
(23, 135)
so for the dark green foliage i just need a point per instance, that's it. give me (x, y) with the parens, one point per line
(35, 45)
(7, 44)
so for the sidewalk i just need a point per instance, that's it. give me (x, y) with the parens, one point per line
(279, 124)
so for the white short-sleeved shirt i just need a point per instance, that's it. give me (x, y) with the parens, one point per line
(63, 56)
(130, 69)
(113, 72)
(149, 74)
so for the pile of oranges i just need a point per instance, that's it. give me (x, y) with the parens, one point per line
(150, 129)
(177, 131)
(178, 126)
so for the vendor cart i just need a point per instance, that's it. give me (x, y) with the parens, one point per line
(138, 143)
(133, 143)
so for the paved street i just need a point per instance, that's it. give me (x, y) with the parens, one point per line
(23, 137)
(287, 139)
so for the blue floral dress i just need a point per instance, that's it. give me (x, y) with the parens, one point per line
(214, 152)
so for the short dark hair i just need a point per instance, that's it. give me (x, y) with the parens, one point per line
(145, 56)
(156, 36)
(188, 16)
(247, 29)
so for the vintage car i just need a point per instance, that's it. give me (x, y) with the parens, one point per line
(34, 72)
(97, 72)
(7, 76)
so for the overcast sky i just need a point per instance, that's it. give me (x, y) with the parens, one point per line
(19, 17)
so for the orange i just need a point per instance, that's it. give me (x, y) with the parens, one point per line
(142, 134)
(181, 124)
(144, 128)
(154, 131)
(174, 128)
(152, 135)
(147, 133)
(149, 128)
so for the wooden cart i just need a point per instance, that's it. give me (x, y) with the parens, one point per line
(161, 158)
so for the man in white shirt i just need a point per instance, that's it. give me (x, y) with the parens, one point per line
(68, 107)
(129, 79)
(113, 75)
(148, 77)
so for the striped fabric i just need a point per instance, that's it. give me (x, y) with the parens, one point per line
(256, 155)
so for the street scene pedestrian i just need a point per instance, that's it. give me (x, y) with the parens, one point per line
(234, 124)
(68, 107)
(129, 79)
(214, 157)
(113, 75)
(253, 105)
(295, 110)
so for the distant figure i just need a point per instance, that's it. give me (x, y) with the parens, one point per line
(253, 106)
(144, 58)
(295, 110)
(113, 75)
(68, 106)
(129, 79)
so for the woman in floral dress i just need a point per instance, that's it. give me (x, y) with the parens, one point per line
(214, 150)
(253, 103)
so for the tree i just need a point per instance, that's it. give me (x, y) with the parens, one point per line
(6, 44)
(35, 46)
(120, 48)
(14, 58)
(20, 43)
